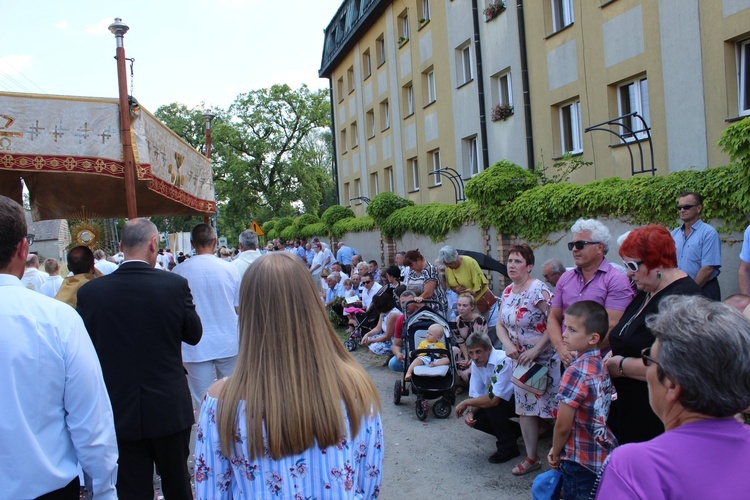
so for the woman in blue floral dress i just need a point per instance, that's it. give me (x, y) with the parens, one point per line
(299, 417)
(523, 332)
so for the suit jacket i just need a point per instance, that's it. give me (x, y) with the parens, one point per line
(138, 318)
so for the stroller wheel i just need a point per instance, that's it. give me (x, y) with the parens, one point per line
(423, 409)
(397, 393)
(350, 344)
(441, 408)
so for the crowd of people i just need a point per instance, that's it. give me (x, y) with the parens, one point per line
(636, 367)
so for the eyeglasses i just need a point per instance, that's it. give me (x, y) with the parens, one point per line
(366, 282)
(632, 265)
(685, 207)
(646, 357)
(548, 276)
(578, 245)
(30, 238)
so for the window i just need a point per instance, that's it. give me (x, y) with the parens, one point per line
(350, 78)
(501, 89)
(358, 191)
(414, 174)
(385, 115)
(471, 155)
(430, 87)
(366, 64)
(374, 188)
(346, 193)
(388, 173)
(562, 14)
(403, 27)
(434, 156)
(355, 135)
(380, 49)
(632, 97)
(570, 128)
(463, 64)
(408, 99)
(424, 12)
(743, 77)
(343, 141)
(340, 88)
(370, 123)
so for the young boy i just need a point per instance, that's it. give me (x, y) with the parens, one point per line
(582, 440)
(434, 334)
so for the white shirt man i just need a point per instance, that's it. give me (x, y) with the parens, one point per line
(215, 285)
(102, 264)
(55, 407)
(370, 288)
(33, 278)
(248, 251)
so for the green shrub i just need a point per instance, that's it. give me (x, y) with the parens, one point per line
(289, 233)
(269, 225)
(312, 230)
(334, 214)
(502, 182)
(383, 205)
(283, 223)
(433, 220)
(306, 219)
(353, 225)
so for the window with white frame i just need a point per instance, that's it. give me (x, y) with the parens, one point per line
(380, 49)
(358, 191)
(350, 78)
(470, 148)
(340, 88)
(632, 97)
(346, 193)
(366, 64)
(562, 14)
(570, 128)
(385, 115)
(355, 135)
(374, 188)
(430, 87)
(408, 100)
(424, 11)
(388, 173)
(370, 122)
(403, 26)
(743, 77)
(502, 92)
(434, 156)
(464, 67)
(414, 174)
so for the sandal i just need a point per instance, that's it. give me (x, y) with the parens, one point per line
(528, 465)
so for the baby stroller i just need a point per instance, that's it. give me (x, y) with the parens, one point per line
(366, 321)
(427, 382)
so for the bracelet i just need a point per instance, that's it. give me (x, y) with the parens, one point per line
(622, 373)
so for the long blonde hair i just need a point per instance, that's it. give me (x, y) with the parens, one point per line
(292, 371)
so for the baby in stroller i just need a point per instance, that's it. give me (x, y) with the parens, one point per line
(432, 341)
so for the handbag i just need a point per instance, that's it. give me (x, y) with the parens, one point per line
(532, 378)
(485, 301)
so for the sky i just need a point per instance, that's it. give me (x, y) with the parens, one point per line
(186, 51)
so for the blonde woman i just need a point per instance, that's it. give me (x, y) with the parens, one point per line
(298, 416)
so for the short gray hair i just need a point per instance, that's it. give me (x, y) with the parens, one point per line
(407, 294)
(447, 255)
(555, 266)
(137, 233)
(704, 347)
(249, 239)
(599, 231)
(478, 339)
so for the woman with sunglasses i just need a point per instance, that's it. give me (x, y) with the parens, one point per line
(650, 258)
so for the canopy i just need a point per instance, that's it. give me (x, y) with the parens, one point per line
(68, 152)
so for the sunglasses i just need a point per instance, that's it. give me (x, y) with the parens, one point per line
(578, 245)
(366, 282)
(30, 238)
(632, 265)
(646, 357)
(685, 207)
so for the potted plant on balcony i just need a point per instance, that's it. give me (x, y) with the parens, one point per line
(423, 21)
(402, 40)
(501, 112)
(493, 10)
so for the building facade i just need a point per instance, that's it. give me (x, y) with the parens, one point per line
(635, 87)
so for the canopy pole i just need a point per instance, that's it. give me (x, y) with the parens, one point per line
(118, 28)
(209, 117)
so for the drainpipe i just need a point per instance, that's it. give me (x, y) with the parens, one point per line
(525, 84)
(334, 166)
(480, 85)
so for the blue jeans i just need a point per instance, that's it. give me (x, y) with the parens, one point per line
(396, 365)
(577, 481)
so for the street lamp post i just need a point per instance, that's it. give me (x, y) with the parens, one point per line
(118, 28)
(209, 117)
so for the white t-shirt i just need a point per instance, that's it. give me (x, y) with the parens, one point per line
(367, 296)
(215, 285)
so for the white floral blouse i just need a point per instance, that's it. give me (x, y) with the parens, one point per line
(352, 469)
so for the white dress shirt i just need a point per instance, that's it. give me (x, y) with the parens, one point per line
(33, 279)
(105, 267)
(52, 285)
(496, 373)
(244, 260)
(367, 296)
(54, 404)
(215, 285)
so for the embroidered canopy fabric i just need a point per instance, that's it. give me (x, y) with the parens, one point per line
(69, 153)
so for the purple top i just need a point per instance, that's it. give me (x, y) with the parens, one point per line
(609, 287)
(703, 459)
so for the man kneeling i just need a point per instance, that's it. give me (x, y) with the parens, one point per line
(490, 404)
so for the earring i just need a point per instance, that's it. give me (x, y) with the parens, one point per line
(658, 275)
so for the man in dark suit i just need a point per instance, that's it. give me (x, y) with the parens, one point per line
(138, 317)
